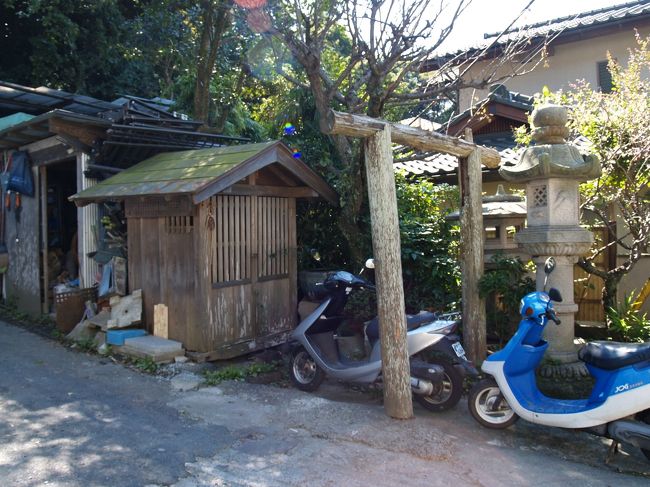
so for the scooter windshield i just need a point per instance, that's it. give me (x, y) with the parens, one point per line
(347, 278)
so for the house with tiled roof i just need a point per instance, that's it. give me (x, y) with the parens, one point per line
(575, 47)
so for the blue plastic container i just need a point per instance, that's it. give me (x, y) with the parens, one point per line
(117, 337)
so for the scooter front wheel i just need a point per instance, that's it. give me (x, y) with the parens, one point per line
(488, 406)
(645, 417)
(305, 373)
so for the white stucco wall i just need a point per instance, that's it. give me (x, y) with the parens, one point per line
(567, 63)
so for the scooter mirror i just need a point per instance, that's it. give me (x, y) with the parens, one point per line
(549, 265)
(555, 295)
(370, 263)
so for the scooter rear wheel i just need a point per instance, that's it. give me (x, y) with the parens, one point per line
(488, 406)
(305, 373)
(445, 394)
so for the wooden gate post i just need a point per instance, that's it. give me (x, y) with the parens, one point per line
(382, 200)
(471, 251)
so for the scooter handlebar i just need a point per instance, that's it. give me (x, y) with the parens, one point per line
(553, 317)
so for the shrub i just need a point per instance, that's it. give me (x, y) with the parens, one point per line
(503, 286)
(626, 323)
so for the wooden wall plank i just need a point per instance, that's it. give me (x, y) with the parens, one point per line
(292, 256)
(150, 276)
(134, 262)
(237, 238)
(201, 333)
(220, 238)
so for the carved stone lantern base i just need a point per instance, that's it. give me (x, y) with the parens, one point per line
(552, 171)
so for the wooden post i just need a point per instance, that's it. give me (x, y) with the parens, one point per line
(472, 239)
(45, 308)
(160, 321)
(388, 272)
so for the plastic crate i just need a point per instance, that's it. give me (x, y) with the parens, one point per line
(69, 307)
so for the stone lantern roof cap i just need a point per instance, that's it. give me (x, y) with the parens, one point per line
(552, 156)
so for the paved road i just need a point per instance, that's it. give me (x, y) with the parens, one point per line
(69, 419)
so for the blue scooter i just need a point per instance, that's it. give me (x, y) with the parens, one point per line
(618, 407)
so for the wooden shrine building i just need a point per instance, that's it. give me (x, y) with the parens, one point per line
(212, 235)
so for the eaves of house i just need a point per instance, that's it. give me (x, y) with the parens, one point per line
(561, 30)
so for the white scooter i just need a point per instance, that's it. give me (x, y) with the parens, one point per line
(619, 404)
(436, 383)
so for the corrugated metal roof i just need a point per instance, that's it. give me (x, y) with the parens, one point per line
(37, 128)
(15, 98)
(15, 119)
(183, 172)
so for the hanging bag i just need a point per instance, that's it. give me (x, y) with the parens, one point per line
(21, 179)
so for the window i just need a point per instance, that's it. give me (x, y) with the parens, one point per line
(511, 231)
(179, 224)
(273, 237)
(604, 77)
(250, 239)
(231, 261)
(492, 233)
(540, 197)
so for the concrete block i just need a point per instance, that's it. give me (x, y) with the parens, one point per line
(83, 331)
(100, 319)
(156, 348)
(100, 338)
(186, 381)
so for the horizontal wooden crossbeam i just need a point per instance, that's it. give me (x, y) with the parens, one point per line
(362, 126)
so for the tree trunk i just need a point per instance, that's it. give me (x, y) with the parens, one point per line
(388, 271)
(609, 293)
(216, 20)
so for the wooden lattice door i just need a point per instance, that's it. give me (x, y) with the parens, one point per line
(253, 238)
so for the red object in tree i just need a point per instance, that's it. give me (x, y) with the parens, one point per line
(251, 4)
(259, 21)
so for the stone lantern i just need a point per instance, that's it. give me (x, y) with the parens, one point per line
(552, 170)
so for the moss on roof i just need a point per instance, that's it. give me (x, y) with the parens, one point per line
(174, 172)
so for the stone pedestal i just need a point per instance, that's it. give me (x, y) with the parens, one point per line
(552, 171)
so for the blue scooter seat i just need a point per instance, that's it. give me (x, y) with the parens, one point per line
(614, 355)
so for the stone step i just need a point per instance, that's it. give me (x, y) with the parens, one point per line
(156, 348)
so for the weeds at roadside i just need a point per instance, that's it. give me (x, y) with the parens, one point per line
(86, 345)
(238, 372)
(146, 364)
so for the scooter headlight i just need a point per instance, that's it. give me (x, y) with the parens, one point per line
(533, 305)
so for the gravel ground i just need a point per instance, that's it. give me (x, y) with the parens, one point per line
(73, 419)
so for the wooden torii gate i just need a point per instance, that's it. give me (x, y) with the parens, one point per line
(378, 136)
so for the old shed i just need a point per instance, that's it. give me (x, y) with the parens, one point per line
(212, 235)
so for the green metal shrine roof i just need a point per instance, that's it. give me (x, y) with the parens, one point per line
(200, 173)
